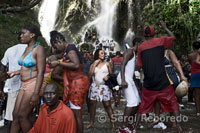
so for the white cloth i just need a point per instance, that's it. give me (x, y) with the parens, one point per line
(10, 105)
(130, 93)
(72, 106)
(10, 59)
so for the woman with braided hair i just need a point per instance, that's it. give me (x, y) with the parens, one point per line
(76, 83)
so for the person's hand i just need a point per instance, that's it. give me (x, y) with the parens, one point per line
(124, 84)
(106, 78)
(54, 63)
(11, 74)
(51, 58)
(34, 100)
(184, 78)
(163, 25)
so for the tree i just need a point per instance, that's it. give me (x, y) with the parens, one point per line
(182, 17)
(21, 8)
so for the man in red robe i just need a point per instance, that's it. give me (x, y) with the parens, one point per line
(54, 115)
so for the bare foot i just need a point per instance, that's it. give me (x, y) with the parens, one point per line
(174, 124)
(113, 126)
(113, 130)
(179, 129)
(90, 125)
(134, 131)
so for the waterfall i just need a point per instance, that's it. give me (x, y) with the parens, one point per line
(47, 17)
(130, 12)
(104, 22)
(89, 3)
(130, 33)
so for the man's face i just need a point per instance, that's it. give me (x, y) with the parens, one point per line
(50, 95)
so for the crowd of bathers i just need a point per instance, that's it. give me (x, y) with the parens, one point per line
(148, 76)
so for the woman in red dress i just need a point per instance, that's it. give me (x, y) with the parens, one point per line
(76, 83)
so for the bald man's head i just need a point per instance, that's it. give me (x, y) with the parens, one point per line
(51, 94)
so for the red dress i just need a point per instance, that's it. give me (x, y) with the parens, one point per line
(76, 83)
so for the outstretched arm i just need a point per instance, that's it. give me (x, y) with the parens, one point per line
(163, 25)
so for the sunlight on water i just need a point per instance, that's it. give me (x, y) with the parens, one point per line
(47, 17)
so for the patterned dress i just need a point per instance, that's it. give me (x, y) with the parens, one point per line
(171, 73)
(98, 90)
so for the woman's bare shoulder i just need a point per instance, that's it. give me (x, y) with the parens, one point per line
(192, 55)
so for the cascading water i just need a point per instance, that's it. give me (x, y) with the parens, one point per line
(105, 24)
(130, 33)
(47, 17)
(105, 21)
(89, 2)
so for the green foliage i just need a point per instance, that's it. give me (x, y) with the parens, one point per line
(181, 17)
(11, 24)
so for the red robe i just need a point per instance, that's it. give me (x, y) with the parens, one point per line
(60, 120)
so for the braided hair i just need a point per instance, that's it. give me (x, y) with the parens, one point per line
(56, 36)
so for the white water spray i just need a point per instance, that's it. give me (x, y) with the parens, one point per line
(104, 22)
(130, 33)
(89, 3)
(47, 17)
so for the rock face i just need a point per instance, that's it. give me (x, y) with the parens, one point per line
(74, 14)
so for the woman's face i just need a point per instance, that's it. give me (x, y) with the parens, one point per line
(26, 36)
(59, 46)
(198, 51)
(101, 55)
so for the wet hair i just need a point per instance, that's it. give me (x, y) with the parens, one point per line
(196, 45)
(96, 54)
(118, 53)
(33, 29)
(56, 36)
(19, 36)
(135, 40)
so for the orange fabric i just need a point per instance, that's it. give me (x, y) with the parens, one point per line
(60, 120)
(29, 85)
(76, 84)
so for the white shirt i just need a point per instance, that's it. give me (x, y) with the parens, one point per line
(10, 59)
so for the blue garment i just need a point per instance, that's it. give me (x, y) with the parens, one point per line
(68, 49)
(171, 72)
(194, 81)
(28, 60)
